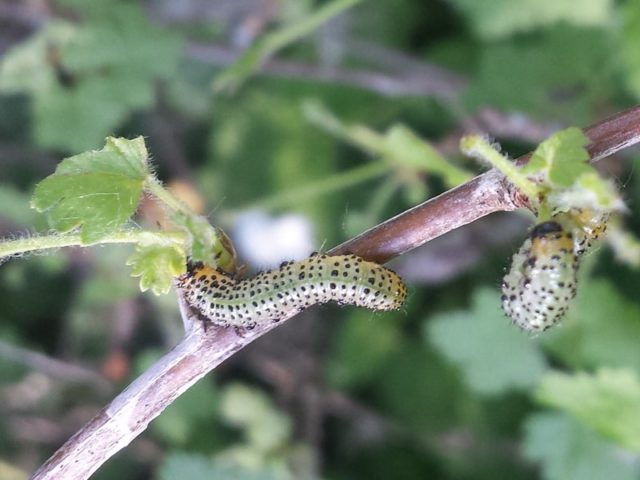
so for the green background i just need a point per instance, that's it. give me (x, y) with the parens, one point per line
(446, 388)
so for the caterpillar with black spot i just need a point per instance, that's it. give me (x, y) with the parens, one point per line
(538, 289)
(541, 283)
(587, 227)
(295, 286)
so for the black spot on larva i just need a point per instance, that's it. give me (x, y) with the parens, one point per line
(541, 274)
(244, 300)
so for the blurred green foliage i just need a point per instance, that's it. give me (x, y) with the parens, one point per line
(570, 450)
(463, 337)
(447, 388)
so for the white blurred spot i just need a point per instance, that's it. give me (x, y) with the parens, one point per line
(265, 241)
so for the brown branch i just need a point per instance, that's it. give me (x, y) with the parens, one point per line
(439, 83)
(485, 194)
(203, 350)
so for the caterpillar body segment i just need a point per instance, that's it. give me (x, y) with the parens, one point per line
(295, 286)
(539, 287)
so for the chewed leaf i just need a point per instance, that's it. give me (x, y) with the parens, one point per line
(95, 191)
(208, 244)
(156, 265)
(119, 157)
(562, 158)
(561, 167)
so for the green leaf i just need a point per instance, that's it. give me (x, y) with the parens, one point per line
(399, 145)
(185, 417)
(530, 64)
(266, 428)
(12, 472)
(362, 347)
(600, 329)
(122, 37)
(96, 191)
(79, 119)
(561, 162)
(106, 68)
(407, 393)
(628, 44)
(493, 355)
(26, 67)
(569, 450)
(208, 244)
(608, 401)
(408, 149)
(156, 265)
(562, 157)
(185, 465)
(499, 18)
(200, 467)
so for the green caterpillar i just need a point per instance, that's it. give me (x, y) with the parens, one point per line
(295, 286)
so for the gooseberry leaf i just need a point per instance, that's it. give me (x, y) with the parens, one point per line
(95, 192)
(156, 265)
(628, 44)
(562, 157)
(608, 401)
(479, 340)
(501, 18)
(208, 243)
(568, 450)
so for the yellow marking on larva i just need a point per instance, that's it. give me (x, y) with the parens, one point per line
(587, 226)
(295, 286)
(541, 283)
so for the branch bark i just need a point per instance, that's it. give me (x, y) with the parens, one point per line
(128, 415)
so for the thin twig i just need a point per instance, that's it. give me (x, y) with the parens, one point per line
(443, 86)
(202, 350)
(63, 371)
(485, 194)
